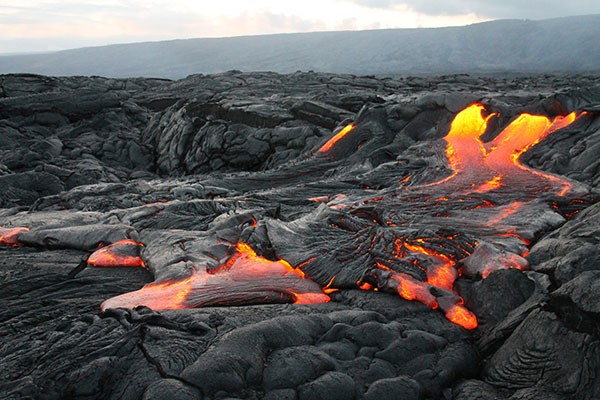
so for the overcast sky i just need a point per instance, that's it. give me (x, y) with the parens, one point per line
(42, 25)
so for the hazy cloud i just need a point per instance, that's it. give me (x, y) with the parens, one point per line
(495, 9)
(50, 25)
(42, 25)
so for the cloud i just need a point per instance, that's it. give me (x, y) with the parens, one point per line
(534, 9)
(41, 25)
(52, 25)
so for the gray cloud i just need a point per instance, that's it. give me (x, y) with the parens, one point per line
(41, 25)
(53, 26)
(496, 9)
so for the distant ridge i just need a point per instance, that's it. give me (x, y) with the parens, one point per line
(570, 44)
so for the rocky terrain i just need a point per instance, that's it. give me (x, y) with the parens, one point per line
(434, 249)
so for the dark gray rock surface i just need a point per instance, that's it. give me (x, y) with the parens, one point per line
(189, 167)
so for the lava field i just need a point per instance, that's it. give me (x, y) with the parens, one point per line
(301, 236)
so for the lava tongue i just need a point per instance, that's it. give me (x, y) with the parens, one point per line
(246, 278)
(124, 253)
(10, 236)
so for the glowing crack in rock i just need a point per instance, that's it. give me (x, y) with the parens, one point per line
(336, 138)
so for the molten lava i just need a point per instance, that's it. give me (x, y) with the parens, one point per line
(327, 146)
(475, 220)
(442, 273)
(464, 150)
(459, 314)
(410, 288)
(478, 169)
(9, 236)
(124, 253)
(246, 278)
(495, 165)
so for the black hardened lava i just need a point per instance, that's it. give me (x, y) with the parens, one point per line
(302, 236)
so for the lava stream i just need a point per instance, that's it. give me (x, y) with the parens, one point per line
(246, 278)
(478, 168)
(495, 165)
(487, 174)
(331, 142)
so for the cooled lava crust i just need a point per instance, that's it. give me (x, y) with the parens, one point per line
(299, 236)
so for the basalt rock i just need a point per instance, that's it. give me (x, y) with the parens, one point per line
(371, 197)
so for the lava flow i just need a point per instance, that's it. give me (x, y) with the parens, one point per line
(490, 172)
(246, 278)
(9, 236)
(124, 253)
(331, 142)
(490, 169)
(495, 165)
(479, 219)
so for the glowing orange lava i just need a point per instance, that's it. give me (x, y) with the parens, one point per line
(495, 164)
(124, 253)
(410, 288)
(327, 146)
(490, 185)
(246, 278)
(9, 236)
(521, 134)
(461, 316)
(464, 150)
(477, 168)
(442, 273)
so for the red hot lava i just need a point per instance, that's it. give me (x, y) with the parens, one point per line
(480, 168)
(124, 253)
(9, 236)
(246, 278)
(336, 138)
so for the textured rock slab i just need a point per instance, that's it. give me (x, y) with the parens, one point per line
(543, 352)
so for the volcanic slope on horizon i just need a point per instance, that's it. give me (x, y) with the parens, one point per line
(570, 44)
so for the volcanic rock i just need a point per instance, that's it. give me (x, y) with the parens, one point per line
(356, 192)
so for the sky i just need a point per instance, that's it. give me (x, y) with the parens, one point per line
(48, 25)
